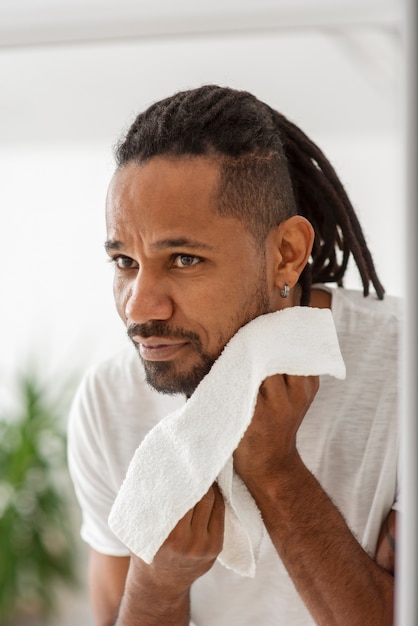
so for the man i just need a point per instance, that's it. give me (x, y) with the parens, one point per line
(221, 210)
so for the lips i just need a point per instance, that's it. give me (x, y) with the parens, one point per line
(158, 349)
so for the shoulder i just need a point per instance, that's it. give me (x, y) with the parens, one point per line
(366, 322)
(368, 331)
(114, 397)
(112, 411)
(118, 374)
(350, 300)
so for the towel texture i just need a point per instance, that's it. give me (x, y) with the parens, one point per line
(183, 455)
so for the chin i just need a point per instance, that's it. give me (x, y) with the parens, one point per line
(164, 377)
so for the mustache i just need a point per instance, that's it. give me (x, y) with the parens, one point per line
(162, 329)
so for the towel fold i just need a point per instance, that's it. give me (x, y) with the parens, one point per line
(187, 451)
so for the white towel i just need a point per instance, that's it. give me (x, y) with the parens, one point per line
(183, 455)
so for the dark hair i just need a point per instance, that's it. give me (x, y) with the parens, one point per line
(270, 170)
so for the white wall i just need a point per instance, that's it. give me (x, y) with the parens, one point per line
(62, 108)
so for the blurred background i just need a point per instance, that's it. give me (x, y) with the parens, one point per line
(73, 75)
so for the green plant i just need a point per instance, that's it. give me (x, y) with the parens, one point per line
(37, 548)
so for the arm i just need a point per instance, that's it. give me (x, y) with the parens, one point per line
(338, 581)
(133, 592)
(106, 578)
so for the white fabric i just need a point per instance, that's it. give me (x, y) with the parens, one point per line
(194, 445)
(348, 440)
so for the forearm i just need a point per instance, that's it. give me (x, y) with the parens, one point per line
(146, 603)
(339, 583)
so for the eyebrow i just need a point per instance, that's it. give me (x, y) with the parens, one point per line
(163, 244)
(181, 242)
(112, 244)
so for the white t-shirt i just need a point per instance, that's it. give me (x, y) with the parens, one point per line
(348, 440)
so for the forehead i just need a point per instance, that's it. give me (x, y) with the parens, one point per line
(173, 188)
(171, 200)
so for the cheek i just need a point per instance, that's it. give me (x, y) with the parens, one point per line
(222, 315)
(120, 295)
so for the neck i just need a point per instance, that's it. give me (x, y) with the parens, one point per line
(320, 299)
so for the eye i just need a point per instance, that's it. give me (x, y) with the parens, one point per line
(124, 262)
(185, 260)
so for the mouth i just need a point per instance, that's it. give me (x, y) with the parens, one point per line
(158, 349)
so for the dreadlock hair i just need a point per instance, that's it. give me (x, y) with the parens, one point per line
(270, 170)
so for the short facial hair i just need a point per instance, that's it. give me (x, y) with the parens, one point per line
(163, 375)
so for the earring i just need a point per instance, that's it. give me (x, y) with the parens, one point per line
(285, 291)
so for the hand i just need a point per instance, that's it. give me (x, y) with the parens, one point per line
(269, 443)
(191, 548)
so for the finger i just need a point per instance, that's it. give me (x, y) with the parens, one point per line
(202, 510)
(272, 382)
(301, 390)
(217, 516)
(306, 382)
(183, 526)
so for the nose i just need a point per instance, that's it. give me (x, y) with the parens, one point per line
(148, 299)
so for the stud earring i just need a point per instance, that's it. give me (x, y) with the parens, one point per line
(285, 291)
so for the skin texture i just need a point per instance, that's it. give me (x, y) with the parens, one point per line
(202, 276)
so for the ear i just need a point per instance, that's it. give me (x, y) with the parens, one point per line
(293, 241)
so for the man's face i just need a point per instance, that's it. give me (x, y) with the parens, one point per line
(185, 278)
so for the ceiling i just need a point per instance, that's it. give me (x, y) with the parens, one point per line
(40, 22)
(72, 70)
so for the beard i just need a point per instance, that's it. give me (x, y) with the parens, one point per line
(166, 376)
